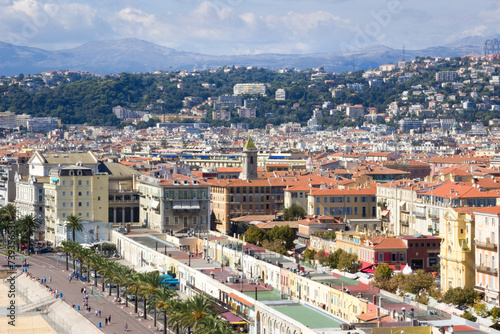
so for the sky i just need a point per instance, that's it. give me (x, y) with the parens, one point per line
(248, 26)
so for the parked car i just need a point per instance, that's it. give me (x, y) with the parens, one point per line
(131, 297)
(92, 274)
(46, 250)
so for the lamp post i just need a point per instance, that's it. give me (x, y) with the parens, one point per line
(4, 236)
(19, 245)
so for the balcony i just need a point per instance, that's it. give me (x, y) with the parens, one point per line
(486, 245)
(486, 270)
(420, 215)
(405, 223)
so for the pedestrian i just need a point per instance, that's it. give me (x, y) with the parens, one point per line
(109, 319)
(81, 290)
(85, 290)
(96, 313)
(50, 278)
(99, 313)
(106, 321)
(92, 290)
(126, 328)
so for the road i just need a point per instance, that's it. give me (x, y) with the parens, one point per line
(45, 266)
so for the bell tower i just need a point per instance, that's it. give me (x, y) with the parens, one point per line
(249, 161)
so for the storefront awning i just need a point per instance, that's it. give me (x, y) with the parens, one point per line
(155, 204)
(233, 319)
(240, 299)
(385, 213)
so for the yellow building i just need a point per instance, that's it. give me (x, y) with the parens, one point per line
(457, 254)
(74, 190)
(351, 204)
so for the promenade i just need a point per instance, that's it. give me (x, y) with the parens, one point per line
(44, 266)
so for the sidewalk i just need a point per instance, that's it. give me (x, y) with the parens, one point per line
(44, 267)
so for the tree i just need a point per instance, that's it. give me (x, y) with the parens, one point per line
(197, 308)
(320, 257)
(28, 225)
(74, 224)
(309, 254)
(460, 296)
(382, 277)
(282, 233)
(495, 314)
(254, 235)
(276, 246)
(468, 316)
(348, 262)
(481, 309)
(149, 289)
(294, 212)
(418, 281)
(162, 299)
(333, 258)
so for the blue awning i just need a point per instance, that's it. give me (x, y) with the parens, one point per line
(54, 179)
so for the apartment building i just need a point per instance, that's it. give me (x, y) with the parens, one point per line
(178, 204)
(346, 203)
(486, 248)
(73, 190)
(249, 88)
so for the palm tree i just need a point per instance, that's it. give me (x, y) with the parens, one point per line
(150, 282)
(74, 224)
(162, 300)
(133, 284)
(213, 324)
(149, 288)
(8, 215)
(197, 308)
(66, 247)
(176, 313)
(107, 275)
(28, 225)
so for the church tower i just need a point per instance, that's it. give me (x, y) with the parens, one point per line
(249, 161)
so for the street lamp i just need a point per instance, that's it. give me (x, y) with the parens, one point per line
(19, 245)
(4, 236)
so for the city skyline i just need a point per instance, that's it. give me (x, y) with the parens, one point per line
(247, 27)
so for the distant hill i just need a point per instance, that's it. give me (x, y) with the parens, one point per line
(133, 55)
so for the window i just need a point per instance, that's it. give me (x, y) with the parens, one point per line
(79, 193)
(88, 182)
(88, 193)
(318, 199)
(64, 193)
(355, 211)
(87, 214)
(79, 203)
(195, 220)
(374, 199)
(428, 244)
(492, 237)
(79, 182)
(355, 199)
(185, 221)
(325, 199)
(325, 211)
(88, 204)
(64, 183)
(393, 257)
(363, 199)
(71, 204)
(411, 245)
(98, 198)
(71, 193)
(317, 210)
(348, 199)
(380, 257)
(176, 220)
(64, 204)
(64, 215)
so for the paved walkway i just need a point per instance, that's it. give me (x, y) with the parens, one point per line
(44, 267)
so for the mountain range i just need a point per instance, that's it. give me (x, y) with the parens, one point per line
(134, 55)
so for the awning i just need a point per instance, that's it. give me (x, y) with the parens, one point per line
(385, 212)
(233, 319)
(54, 179)
(155, 204)
(240, 299)
(186, 205)
(365, 266)
(145, 269)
